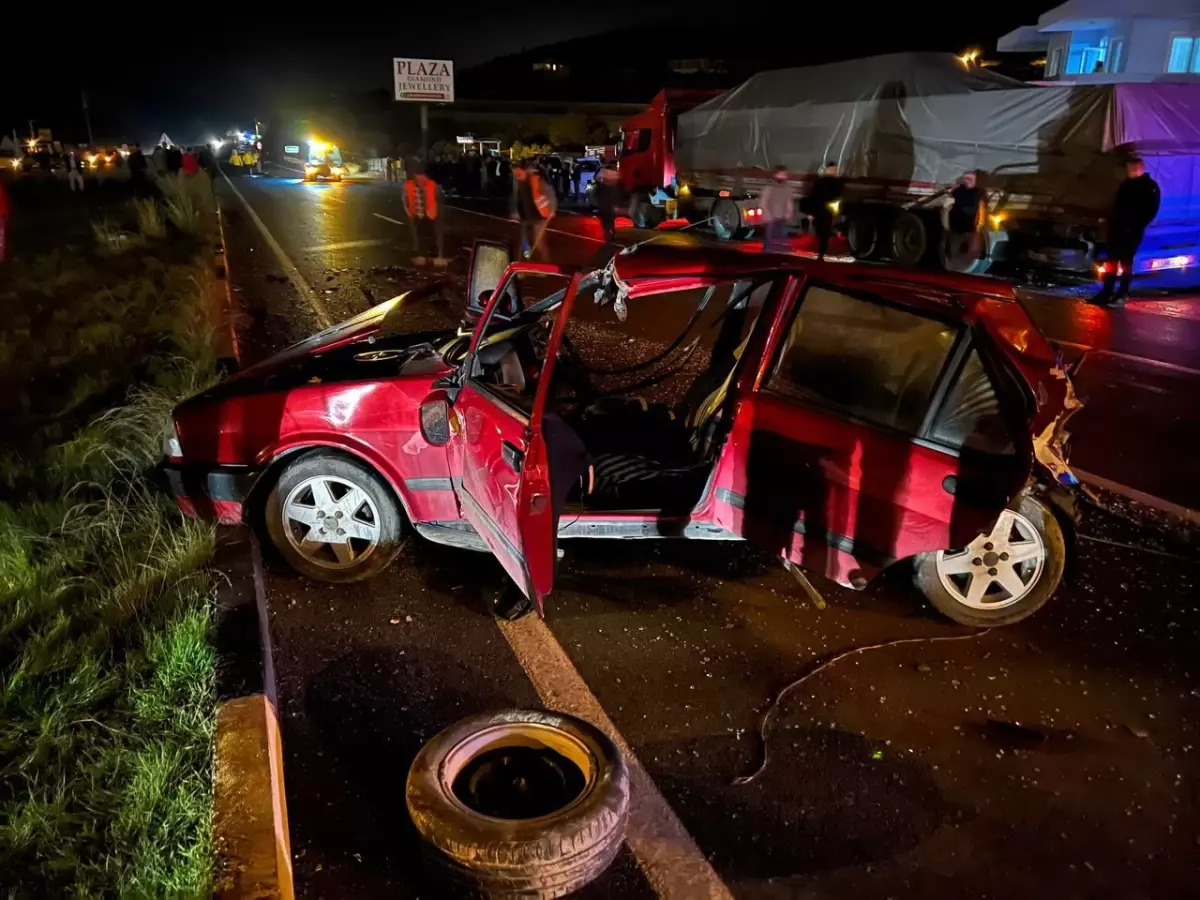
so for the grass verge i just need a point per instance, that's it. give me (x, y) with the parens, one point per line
(107, 693)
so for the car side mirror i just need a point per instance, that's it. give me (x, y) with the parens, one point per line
(437, 422)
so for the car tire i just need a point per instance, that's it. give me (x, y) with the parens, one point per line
(947, 597)
(385, 514)
(543, 854)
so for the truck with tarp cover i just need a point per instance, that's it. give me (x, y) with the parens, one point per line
(903, 128)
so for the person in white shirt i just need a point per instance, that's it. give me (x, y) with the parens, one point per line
(778, 202)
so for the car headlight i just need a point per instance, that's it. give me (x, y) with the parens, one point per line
(309, 169)
(171, 446)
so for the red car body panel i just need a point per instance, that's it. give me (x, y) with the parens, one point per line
(505, 481)
(832, 494)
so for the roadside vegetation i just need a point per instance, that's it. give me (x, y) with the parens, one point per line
(106, 661)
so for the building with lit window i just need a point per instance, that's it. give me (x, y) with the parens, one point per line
(1114, 40)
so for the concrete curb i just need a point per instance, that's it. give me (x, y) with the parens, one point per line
(250, 827)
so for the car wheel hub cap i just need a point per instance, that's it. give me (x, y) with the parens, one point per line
(996, 569)
(331, 521)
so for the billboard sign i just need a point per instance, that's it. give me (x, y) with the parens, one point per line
(424, 80)
(291, 148)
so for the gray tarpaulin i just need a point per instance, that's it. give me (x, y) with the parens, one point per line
(924, 119)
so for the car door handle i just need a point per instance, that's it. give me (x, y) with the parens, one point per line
(513, 455)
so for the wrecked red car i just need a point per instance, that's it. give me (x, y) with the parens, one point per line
(846, 418)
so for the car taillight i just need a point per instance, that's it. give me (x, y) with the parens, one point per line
(1171, 262)
(171, 447)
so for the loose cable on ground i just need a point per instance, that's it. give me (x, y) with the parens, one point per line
(765, 720)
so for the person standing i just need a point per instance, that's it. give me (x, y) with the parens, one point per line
(1134, 208)
(964, 215)
(207, 160)
(158, 156)
(824, 201)
(778, 203)
(191, 163)
(137, 169)
(74, 171)
(605, 197)
(576, 176)
(174, 159)
(533, 206)
(422, 205)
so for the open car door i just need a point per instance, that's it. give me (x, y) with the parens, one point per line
(505, 489)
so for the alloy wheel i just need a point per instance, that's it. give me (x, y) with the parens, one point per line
(331, 521)
(996, 569)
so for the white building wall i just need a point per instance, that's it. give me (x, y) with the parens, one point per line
(1146, 50)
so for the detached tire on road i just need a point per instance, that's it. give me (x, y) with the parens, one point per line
(519, 803)
(1026, 549)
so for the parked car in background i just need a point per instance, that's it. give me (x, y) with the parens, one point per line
(846, 419)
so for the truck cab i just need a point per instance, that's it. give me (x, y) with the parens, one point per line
(647, 152)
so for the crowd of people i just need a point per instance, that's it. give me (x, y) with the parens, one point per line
(535, 189)
(493, 175)
(166, 159)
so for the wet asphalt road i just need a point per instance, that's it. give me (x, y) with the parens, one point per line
(1054, 758)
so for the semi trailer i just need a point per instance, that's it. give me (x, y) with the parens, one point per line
(902, 129)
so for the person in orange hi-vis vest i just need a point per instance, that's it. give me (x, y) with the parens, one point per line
(422, 205)
(533, 206)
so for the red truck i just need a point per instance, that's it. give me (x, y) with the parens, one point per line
(902, 129)
(647, 153)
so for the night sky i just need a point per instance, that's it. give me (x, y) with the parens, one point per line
(219, 67)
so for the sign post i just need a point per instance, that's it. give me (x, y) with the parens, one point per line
(423, 81)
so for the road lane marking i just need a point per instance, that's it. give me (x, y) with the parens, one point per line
(315, 302)
(582, 237)
(669, 857)
(1191, 516)
(1118, 354)
(346, 245)
(504, 219)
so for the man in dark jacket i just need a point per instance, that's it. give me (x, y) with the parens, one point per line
(1134, 207)
(823, 205)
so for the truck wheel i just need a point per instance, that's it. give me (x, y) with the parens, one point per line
(1002, 576)
(519, 803)
(333, 518)
(961, 253)
(910, 239)
(727, 219)
(862, 236)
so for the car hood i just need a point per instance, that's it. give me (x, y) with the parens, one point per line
(361, 348)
